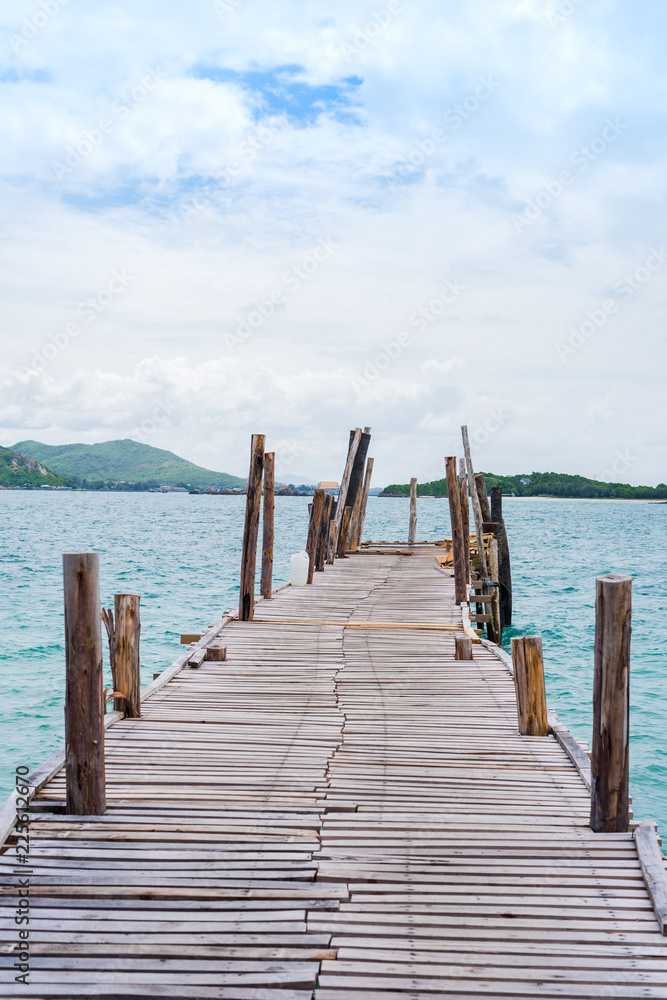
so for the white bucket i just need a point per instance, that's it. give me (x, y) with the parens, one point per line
(298, 569)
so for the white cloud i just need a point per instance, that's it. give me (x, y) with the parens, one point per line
(400, 236)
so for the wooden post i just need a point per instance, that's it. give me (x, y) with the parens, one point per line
(342, 494)
(84, 698)
(457, 531)
(465, 516)
(266, 580)
(323, 533)
(412, 527)
(352, 543)
(611, 705)
(494, 632)
(529, 681)
(483, 496)
(344, 531)
(314, 531)
(477, 510)
(251, 529)
(505, 579)
(127, 677)
(463, 647)
(364, 500)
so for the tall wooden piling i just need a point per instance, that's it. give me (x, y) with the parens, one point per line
(457, 530)
(127, 676)
(495, 631)
(611, 705)
(251, 528)
(465, 516)
(323, 533)
(505, 578)
(529, 681)
(352, 543)
(314, 528)
(342, 494)
(412, 527)
(268, 515)
(84, 698)
(364, 500)
(477, 510)
(480, 486)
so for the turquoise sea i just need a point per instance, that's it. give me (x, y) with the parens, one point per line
(182, 554)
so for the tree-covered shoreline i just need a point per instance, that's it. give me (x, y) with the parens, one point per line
(534, 484)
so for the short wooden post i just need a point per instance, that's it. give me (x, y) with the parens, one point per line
(127, 676)
(529, 681)
(266, 579)
(505, 578)
(84, 698)
(323, 533)
(355, 439)
(251, 529)
(463, 647)
(364, 501)
(314, 531)
(412, 528)
(457, 531)
(611, 705)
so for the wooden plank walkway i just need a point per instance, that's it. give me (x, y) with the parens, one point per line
(348, 810)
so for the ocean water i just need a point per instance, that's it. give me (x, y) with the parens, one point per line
(182, 554)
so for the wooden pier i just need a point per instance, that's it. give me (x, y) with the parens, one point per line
(339, 806)
(340, 792)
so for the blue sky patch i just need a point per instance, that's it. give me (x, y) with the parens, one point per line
(281, 90)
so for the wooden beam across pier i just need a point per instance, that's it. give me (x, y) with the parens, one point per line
(345, 810)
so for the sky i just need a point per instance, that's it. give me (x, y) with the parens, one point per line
(236, 216)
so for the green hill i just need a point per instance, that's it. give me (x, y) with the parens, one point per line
(533, 484)
(18, 470)
(127, 462)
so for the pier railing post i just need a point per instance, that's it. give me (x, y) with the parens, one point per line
(463, 647)
(505, 571)
(611, 705)
(323, 533)
(334, 534)
(465, 516)
(251, 529)
(314, 529)
(412, 528)
(529, 680)
(266, 580)
(457, 531)
(364, 501)
(127, 678)
(84, 698)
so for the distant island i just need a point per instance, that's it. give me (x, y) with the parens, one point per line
(535, 484)
(112, 465)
